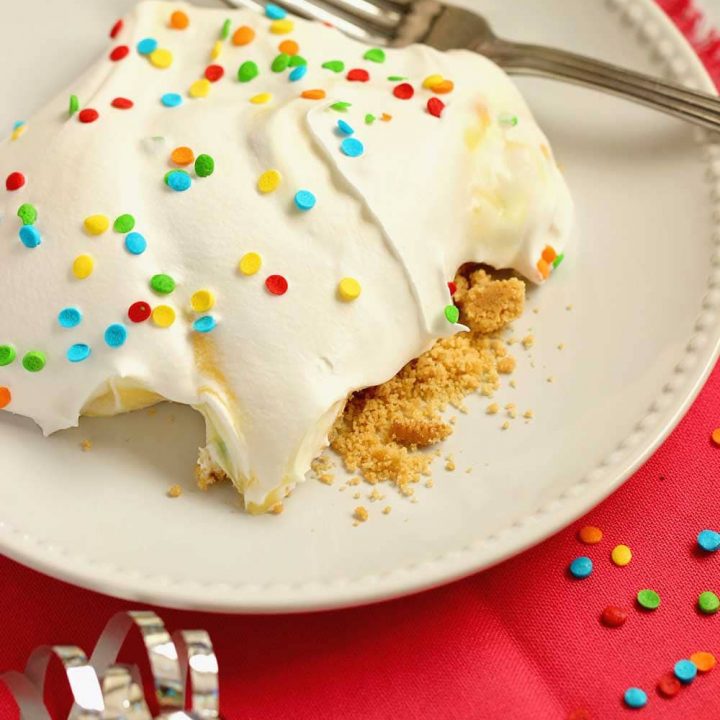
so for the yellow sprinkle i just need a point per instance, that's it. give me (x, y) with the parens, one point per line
(161, 58)
(200, 88)
(431, 80)
(96, 224)
(250, 263)
(261, 99)
(202, 301)
(349, 289)
(269, 181)
(163, 316)
(621, 555)
(83, 266)
(18, 132)
(217, 50)
(281, 27)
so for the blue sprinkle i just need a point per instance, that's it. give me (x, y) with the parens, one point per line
(30, 236)
(179, 181)
(352, 147)
(135, 243)
(18, 124)
(274, 12)
(204, 324)
(581, 567)
(685, 671)
(298, 73)
(344, 128)
(171, 100)
(78, 353)
(147, 45)
(709, 540)
(115, 335)
(635, 697)
(69, 317)
(304, 200)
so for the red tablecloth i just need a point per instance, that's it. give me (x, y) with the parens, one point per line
(520, 641)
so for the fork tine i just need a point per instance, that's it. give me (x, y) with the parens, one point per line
(376, 13)
(354, 27)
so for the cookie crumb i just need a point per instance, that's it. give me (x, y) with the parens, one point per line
(511, 410)
(528, 341)
(528, 414)
(357, 495)
(568, 307)
(561, 346)
(277, 508)
(376, 495)
(429, 484)
(86, 445)
(505, 425)
(449, 463)
(387, 510)
(360, 513)
(551, 379)
(175, 491)
(419, 433)
(512, 384)
(492, 409)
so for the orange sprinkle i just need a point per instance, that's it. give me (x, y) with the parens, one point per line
(244, 35)
(716, 436)
(543, 268)
(179, 20)
(385, 117)
(705, 661)
(590, 535)
(289, 47)
(182, 156)
(443, 87)
(5, 397)
(549, 254)
(313, 94)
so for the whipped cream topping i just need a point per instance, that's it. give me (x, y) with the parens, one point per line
(424, 195)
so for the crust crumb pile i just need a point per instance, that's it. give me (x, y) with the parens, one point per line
(383, 429)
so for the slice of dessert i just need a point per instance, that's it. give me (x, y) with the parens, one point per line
(257, 217)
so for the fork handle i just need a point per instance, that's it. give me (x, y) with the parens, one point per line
(522, 59)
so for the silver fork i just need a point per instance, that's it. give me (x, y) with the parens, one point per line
(397, 23)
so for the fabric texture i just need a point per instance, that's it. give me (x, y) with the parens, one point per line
(522, 640)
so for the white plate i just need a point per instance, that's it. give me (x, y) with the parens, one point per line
(643, 280)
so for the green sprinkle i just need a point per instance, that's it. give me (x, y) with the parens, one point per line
(34, 361)
(204, 166)
(162, 284)
(27, 213)
(225, 30)
(248, 71)
(7, 355)
(376, 55)
(396, 78)
(280, 63)
(124, 224)
(708, 602)
(558, 259)
(507, 120)
(335, 65)
(297, 60)
(452, 314)
(74, 105)
(648, 599)
(340, 106)
(370, 119)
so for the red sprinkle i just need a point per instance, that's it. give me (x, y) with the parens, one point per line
(14, 181)
(116, 28)
(358, 75)
(122, 103)
(668, 685)
(452, 287)
(88, 115)
(120, 52)
(613, 616)
(276, 284)
(139, 312)
(435, 106)
(214, 72)
(404, 91)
